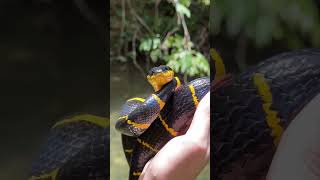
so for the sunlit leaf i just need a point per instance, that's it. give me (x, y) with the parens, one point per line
(155, 55)
(180, 8)
(145, 45)
(186, 3)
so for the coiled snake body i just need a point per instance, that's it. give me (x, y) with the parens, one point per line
(251, 111)
(249, 114)
(77, 148)
(148, 124)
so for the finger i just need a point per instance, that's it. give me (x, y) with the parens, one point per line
(179, 159)
(145, 169)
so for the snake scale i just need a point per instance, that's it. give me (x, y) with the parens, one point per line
(77, 148)
(148, 124)
(252, 110)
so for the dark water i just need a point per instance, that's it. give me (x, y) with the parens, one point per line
(52, 63)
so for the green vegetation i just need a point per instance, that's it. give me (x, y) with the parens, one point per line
(247, 30)
(264, 21)
(173, 32)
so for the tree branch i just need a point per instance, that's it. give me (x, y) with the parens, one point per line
(123, 23)
(134, 54)
(138, 18)
(185, 31)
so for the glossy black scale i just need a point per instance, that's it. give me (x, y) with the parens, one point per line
(177, 113)
(241, 136)
(145, 112)
(76, 150)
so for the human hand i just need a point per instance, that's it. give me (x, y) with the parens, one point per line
(183, 157)
(298, 154)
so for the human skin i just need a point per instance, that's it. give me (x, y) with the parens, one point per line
(298, 154)
(183, 157)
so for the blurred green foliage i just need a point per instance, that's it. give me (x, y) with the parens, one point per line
(263, 21)
(180, 59)
(161, 32)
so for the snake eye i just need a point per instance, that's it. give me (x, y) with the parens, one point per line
(167, 68)
(151, 72)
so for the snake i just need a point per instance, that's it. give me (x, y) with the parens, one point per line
(76, 147)
(147, 124)
(250, 111)
(249, 114)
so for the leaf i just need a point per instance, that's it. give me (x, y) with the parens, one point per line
(206, 2)
(186, 3)
(145, 45)
(183, 10)
(155, 55)
(156, 43)
(175, 66)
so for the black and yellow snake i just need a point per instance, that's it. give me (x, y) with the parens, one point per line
(77, 148)
(249, 114)
(148, 124)
(251, 111)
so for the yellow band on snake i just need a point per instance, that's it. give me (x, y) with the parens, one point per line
(271, 116)
(97, 120)
(51, 175)
(138, 125)
(194, 97)
(160, 102)
(136, 173)
(136, 99)
(170, 130)
(219, 65)
(128, 150)
(178, 81)
(147, 145)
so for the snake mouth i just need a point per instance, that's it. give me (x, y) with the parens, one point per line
(159, 76)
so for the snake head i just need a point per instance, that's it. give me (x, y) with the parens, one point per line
(159, 76)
